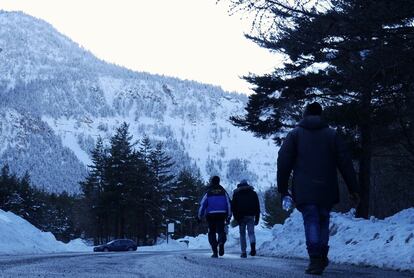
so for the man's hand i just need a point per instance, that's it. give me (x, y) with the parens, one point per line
(355, 199)
(228, 220)
(198, 220)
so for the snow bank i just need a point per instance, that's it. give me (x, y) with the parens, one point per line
(17, 236)
(382, 243)
(77, 245)
(172, 245)
(233, 238)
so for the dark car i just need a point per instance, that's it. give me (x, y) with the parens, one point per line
(117, 245)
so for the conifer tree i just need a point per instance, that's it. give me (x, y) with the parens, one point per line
(353, 56)
(274, 214)
(185, 198)
(161, 166)
(93, 188)
(119, 173)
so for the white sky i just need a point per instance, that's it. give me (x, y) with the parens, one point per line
(189, 39)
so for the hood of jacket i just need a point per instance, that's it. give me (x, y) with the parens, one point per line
(243, 187)
(313, 122)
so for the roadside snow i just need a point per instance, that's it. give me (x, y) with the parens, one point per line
(17, 236)
(233, 238)
(77, 245)
(382, 243)
(172, 245)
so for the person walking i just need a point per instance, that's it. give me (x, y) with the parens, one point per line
(314, 152)
(216, 207)
(246, 211)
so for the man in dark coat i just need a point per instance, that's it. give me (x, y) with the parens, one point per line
(314, 152)
(216, 207)
(246, 211)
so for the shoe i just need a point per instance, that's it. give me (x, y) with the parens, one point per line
(214, 249)
(253, 249)
(221, 249)
(243, 255)
(316, 265)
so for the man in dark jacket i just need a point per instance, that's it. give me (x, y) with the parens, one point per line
(314, 152)
(215, 205)
(246, 211)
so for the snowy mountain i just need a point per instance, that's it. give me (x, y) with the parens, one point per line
(56, 98)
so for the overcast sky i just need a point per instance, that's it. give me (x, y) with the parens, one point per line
(189, 39)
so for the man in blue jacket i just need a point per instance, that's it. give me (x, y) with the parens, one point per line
(215, 206)
(314, 152)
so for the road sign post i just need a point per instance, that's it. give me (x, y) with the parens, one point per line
(170, 230)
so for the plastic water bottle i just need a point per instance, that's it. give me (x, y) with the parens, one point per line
(287, 203)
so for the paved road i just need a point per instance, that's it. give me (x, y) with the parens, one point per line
(194, 264)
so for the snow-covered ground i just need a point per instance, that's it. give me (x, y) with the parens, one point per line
(171, 245)
(17, 236)
(383, 243)
(233, 239)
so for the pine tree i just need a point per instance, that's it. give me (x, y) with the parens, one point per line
(185, 197)
(119, 172)
(6, 187)
(161, 166)
(92, 188)
(145, 149)
(353, 56)
(274, 214)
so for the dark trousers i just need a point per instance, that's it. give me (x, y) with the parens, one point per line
(216, 226)
(316, 222)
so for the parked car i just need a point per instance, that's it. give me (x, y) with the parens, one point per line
(117, 245)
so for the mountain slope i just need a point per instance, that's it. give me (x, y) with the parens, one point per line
(65, 97)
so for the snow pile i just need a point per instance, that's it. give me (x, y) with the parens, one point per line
(382, 243)
(77, 245)
(172, 245)
(17, 236)
(233, 238)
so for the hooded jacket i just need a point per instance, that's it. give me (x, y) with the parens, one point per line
(245, 202)
(314, 152)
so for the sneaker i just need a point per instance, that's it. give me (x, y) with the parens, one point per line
(221, 249)
(243, 255)
(214, 255)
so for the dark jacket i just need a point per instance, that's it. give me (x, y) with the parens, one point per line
(245, 202)
(314, 152)
(216, 200)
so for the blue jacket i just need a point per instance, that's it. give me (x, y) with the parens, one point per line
(216, 200)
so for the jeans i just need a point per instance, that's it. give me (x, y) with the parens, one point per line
(246, 221)
(216, 226)
(316, 222)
